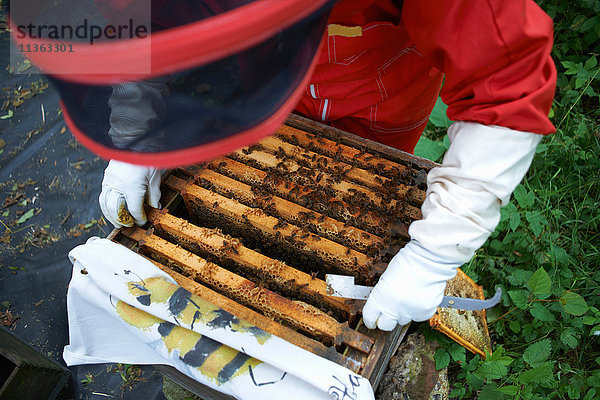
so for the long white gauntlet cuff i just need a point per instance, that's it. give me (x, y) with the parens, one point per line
(480, 171)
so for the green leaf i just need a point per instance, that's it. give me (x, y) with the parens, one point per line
(442, 359)
(519, 297)
(574, 391)
(438, 116)
(529, 199)
(490, 392)
(514, 221)
(458, 391)
(520, 193)
(510, 390)
(541, 313)
(594, 379)
(519, 277)
(576, 322)
(559, 255)
(542, 148)
(491, 370)
(590, 91)
(569, 338)
(26, 216)
(573, 303)
(542, 375)
(589, 24)
(500, 357)
(590, 395)
(536, 221)
(429, 149)
(592, 61)
(7, 116)
(514, 326)
(571, 67)
(541, 284)
(537, 352)
(473, 381)
(457, 353)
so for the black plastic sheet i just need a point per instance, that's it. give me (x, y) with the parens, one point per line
(42, 168)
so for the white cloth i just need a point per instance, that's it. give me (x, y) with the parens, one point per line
(481, 169)
(124, 189)
(122, 308)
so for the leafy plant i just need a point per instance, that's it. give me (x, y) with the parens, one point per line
(544, 253)
(428, 147)
(130, 375)
(88, 378)
(577, 38)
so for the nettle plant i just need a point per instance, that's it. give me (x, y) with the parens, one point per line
(545, 256)
(545, 253)
(576, 44)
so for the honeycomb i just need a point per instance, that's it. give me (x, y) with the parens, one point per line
(469, 328)
(256, 231)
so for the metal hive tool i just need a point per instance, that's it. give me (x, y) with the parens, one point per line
(255, 233)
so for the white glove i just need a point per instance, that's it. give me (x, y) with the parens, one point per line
(480, 170)
(411, 288)
(124, 188)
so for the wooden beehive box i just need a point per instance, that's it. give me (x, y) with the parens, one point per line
(256, 231)
(26, 373)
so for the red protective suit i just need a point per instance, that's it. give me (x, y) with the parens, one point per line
(381, 69)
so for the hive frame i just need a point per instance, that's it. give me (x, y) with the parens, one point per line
(175, 189)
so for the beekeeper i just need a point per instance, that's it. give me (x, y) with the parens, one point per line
(378, 74)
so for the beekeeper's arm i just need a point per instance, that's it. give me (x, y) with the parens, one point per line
(135, 108)
(500, 82)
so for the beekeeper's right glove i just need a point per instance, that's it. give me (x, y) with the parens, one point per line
(481, 169)
(124, 188)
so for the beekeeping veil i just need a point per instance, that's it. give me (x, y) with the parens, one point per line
(172, 82)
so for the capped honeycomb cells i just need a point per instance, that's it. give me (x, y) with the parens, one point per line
(256, 232)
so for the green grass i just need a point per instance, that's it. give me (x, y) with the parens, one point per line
(545, 256)
(545, 253)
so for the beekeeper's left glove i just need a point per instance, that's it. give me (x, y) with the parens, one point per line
(124, 189)
(410, 289)
(481, 169)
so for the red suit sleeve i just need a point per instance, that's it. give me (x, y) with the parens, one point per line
(496, 57)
